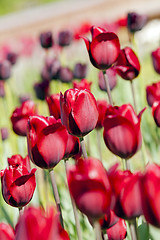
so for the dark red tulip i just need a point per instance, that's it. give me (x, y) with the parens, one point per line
(104, 48)
(47, 140)
(65, 38)
(65, 74)
(117, 231)
(20, 117)
(80, 71)
(50, 69)
(127, 193)
(79, 111)
(151, 194)
(4, 133)
(5, 70)
(112, 79)
(82, 85)
(18, 185)
(73, 147)
(6, 232)
(127, 66)
(156, 60)
(108, 220)
(89, 187)
(46, 39)
(122, 134)
(102, 107)
(54, 105)
(41, 89)
(46, 225)
(156, 112)
(12, 57)
(17, 160)
(153, 93)
(135, 21)
(2, 89)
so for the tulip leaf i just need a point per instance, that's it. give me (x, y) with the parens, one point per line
(143, 231)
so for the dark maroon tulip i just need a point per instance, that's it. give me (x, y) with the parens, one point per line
(4, 133)
(47, 140)
(156, 60)
(151, 194)
(79, 111)
(54, 105)
(108, 220)
(20, 117)
(118, 231)
(41, 90)
(73, 147)
(12, 57)
(153, 93)
(18, 185)
(89, 187)
(82, 85)
(65, 74)
(2, 89)
(135, 21)
(127, 193)
(50, 69)
(17, 160)
(127, 66)
(6, 232)
(156, 112)
(104, 48)
(5, 70)
(102, 107)
(46, 225)
(122, 134)
(46, 40)
(65, 38)
(112, 79)
(80, 71)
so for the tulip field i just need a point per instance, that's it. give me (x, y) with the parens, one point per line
(80, 118)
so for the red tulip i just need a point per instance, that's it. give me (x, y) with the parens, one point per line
(6, 232)
(151, 194)
(135, 21)
(18, 185)
(122, 133)
(112, 79)
(153, 93)
(73, 146)
(35, 224)
(156, 60)
(46, 39)
(17, 160)
(82, 85)
(20, 117)
(89, 187)
(127, 193)
(54, 105)
(78, 111)
(156, 112)
(127, 66)
(104, 48)
(118, 231)
(108, 220)
(47, 140)
(102, 107)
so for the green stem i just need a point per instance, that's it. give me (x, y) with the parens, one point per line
(83, 148)
(133, 229)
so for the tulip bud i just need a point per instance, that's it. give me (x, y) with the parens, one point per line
(104, 48)
(153, 93)
(47, 140)
(108, 220)
(17, 160)
(41, 90)
(122, 134)
(46, 39)
(18, 185)
(89, 187)
(82, 85)
(156, 60)
(127, 65)
(78, 111)
(20, 117)
(135, 21)
(12, 57)
(54, 105)
(118, 231)
(65, 38)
